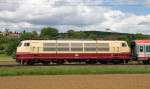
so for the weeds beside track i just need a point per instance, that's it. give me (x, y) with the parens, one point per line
(73, 70)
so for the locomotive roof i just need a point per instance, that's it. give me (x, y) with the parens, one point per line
(72, 40)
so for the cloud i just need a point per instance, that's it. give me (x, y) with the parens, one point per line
(8, 5)
(147, 3)
(42, 13)
(69, 14)
(127, 1)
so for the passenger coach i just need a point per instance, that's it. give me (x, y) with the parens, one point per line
(141, 50)
(60, 51)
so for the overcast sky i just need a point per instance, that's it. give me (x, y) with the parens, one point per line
(129, 16)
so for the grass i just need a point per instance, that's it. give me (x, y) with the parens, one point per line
(74, 70)
(4, 57)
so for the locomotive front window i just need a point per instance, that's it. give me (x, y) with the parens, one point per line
(124, 45)
(26, 44)
(20, 45)
(141, 49)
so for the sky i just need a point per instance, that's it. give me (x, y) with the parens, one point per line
(126, 16)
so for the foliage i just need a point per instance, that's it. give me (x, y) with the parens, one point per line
(11, 47)
(49, 33)
(4, 57)
(28, 35)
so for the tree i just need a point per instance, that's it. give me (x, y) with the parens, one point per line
(6, 30)
(11, 47)
(92, 36)
(71, 33)
(76, 34)
(24, 31)
(49, 33)
(80, 35)
(35, 35)
(140, 36)
(27, 36)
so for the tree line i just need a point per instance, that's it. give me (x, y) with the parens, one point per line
(8, 44)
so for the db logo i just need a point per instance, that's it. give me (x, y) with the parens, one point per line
(76, 55)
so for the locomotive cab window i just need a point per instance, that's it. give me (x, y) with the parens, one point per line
(20, 45)
(26, 44)
(124, 45)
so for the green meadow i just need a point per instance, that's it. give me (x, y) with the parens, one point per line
(73, 70)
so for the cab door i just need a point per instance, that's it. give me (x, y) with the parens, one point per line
(141, 50)
(116, 47)
(35, 47)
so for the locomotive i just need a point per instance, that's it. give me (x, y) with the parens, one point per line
(82, 51)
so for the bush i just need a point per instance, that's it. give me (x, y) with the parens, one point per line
(11, 47)
(2, 51)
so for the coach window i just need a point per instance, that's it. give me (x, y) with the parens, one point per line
(148, 48)
(141, 49)
(26, 44)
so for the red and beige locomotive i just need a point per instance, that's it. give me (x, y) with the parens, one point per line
(87, 51)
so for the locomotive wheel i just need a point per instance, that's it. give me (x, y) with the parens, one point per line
(30, 63)
(146, 61)
(60, 62)
(91, 62)
(45, 62)
(117, 61)
(22, 62)
(126, 61)
(103, 62)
